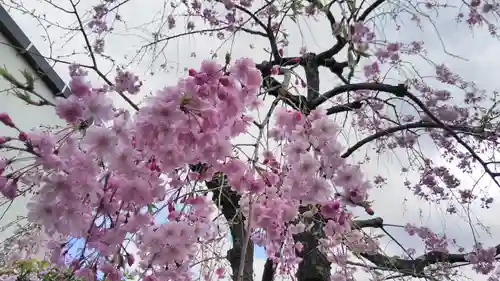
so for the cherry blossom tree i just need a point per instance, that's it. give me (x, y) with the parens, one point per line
(175, 175)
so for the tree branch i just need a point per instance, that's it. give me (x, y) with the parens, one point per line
(341, 41)
(344, 107)
(267, 28)
(93, 58)
(415, 267)
(312, 75)
(409, 267)
(373, 223)
(268, 273)
(402, 91)
(370, 9)
(399, 90)
(477, 131)
(275, 89)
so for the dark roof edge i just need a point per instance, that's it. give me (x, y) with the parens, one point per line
(21, 42)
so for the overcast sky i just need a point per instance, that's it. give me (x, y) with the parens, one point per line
(393, 202)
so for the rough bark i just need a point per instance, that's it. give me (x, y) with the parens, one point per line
(227, 201)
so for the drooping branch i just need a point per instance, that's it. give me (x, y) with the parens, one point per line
(454, 134)
(476, 131)
(370, 9)
(93, 57)
(341, 41)
(415, 267)
(402, 91)
(408, 267)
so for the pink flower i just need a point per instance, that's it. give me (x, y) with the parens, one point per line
(324, 128)
(86, 274)
(100, 140)
(43, 143)
(220, 272)
(125, 81)
(244, 70)
(9, 190)
(99, 108)
(211, 69)
(113, 181)
(112, 273)
(347, 176)
(330, 209)
(70, 109)
(80, 87)
(295, 149)
(307, 165)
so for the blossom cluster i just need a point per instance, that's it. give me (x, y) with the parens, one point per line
(85, 102)
(433, 241)
(98, 182)
(195, 121)
(311, 173)
(482, 259)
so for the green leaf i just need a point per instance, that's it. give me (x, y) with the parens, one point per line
(152, 208)
(22, 95)
(43, 264)
(7, 76)
(27, 265)
(30, 80)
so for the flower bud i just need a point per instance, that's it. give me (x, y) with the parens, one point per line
(10, 190)
(23, 136)
(4, 140)
(6, 120)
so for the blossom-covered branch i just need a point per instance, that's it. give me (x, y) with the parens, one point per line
(171, 180)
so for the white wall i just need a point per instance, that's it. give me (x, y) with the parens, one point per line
(25, 116)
